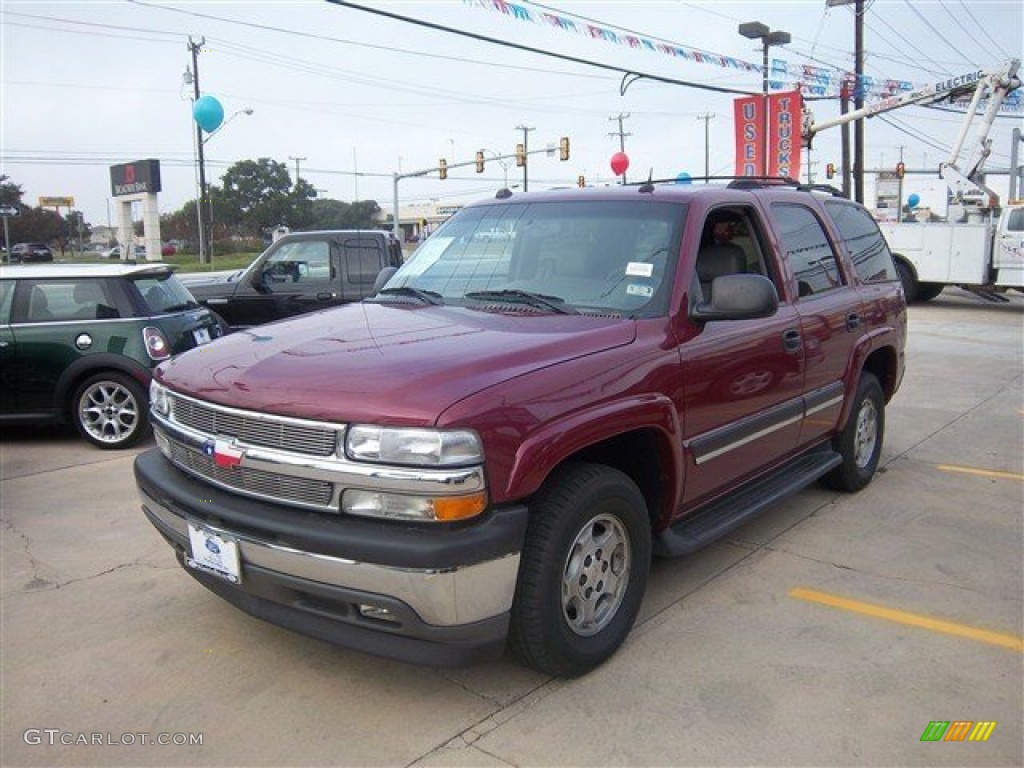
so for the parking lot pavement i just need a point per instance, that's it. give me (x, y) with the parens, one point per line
(832, 631)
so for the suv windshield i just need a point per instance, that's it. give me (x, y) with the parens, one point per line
(164, 293)
(597, 257)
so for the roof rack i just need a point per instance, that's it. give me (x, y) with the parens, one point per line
(763, 182)
(744, 182)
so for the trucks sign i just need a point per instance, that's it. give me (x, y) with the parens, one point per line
(135, 178)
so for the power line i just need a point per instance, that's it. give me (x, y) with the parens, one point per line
(984, 31)
(924, 20)
(531, 49)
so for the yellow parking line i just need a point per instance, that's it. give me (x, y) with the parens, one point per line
(1011, 642)
(981, 472)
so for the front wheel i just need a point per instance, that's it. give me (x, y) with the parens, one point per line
(860, 443)
(583, 570)
(109, 410)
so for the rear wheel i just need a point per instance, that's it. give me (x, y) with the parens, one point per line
(110, 410)
(860, 443)
(583, 570)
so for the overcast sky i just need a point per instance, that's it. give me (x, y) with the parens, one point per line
(358, 97)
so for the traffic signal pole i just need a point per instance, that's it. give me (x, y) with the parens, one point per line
(395, 227)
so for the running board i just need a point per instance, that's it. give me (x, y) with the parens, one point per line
(726, 515)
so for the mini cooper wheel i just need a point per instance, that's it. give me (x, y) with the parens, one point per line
(860, 443)
(109, 410)
(583, 570)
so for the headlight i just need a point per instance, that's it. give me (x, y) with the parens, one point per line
(158, 398)
(413, 447)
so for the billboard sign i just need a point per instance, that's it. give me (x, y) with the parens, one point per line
(135, 178)
(783, 142)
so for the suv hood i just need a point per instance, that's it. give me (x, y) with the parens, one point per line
(383, 363)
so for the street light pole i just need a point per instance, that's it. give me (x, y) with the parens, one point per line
(755, 30)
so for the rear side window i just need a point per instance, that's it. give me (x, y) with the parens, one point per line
(64, 300)
(807, 248)
(868, 249)
(362, 259)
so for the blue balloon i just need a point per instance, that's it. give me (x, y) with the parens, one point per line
(208, 112)
(684, 178)
(914, 200)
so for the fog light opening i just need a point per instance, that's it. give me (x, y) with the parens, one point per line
(377, 613)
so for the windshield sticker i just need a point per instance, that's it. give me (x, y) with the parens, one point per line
(426, 256)
(639, 269)
(639, 290)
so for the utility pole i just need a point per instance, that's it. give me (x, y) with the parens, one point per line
(297, 161)
(526, 149)
(858, 93)
(204, 254)
(707, 117)
(622, 136)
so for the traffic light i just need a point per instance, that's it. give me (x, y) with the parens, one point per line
(442, 168)
(480, 161)
(581, 181)
(520, 155)
(563, 148)
(901, 169)
(830, 171)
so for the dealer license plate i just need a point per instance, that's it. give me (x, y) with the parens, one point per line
(213, 553)
(201, 335)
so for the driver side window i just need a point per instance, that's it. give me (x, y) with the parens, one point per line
(298, 262)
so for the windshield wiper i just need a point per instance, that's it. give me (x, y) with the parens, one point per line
(427, 297)
(540, 300)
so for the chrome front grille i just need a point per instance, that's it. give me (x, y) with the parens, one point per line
(294, 490)
(255, 430)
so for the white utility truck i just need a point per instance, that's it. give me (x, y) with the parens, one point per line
(981, 246)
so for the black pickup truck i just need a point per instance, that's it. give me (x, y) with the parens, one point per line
(299, 273)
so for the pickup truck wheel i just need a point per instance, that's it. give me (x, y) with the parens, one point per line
(583, 570)
(860, 443)
(109, 410)
(928, 291)
(908, 280)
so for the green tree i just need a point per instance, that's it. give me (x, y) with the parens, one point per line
(335, 214)
(257, 195)
(10, 193)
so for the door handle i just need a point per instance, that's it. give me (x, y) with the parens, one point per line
(324, 296)
(791, 340)
(852, 321)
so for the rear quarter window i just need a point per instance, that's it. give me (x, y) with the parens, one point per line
(867, 247)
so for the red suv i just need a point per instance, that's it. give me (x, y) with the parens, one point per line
(493, 447)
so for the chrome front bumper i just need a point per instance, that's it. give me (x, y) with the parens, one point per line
(438, 596)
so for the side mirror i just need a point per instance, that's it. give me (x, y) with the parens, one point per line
(738, 297)
(382, 278)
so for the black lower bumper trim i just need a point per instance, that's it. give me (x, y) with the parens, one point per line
(451, 647)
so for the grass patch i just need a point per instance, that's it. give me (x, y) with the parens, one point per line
(186, 262)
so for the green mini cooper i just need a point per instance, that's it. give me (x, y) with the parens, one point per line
(78, 343)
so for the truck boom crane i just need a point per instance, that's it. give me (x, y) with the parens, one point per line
(964, 182)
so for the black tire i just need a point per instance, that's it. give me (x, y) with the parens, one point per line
(860, 443)
(111, 410)
(583, 570)
(908, 280)
(928, 291)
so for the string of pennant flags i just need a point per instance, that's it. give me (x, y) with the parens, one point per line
(822, 82)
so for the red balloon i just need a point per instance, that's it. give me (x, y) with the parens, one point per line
(620, 163)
